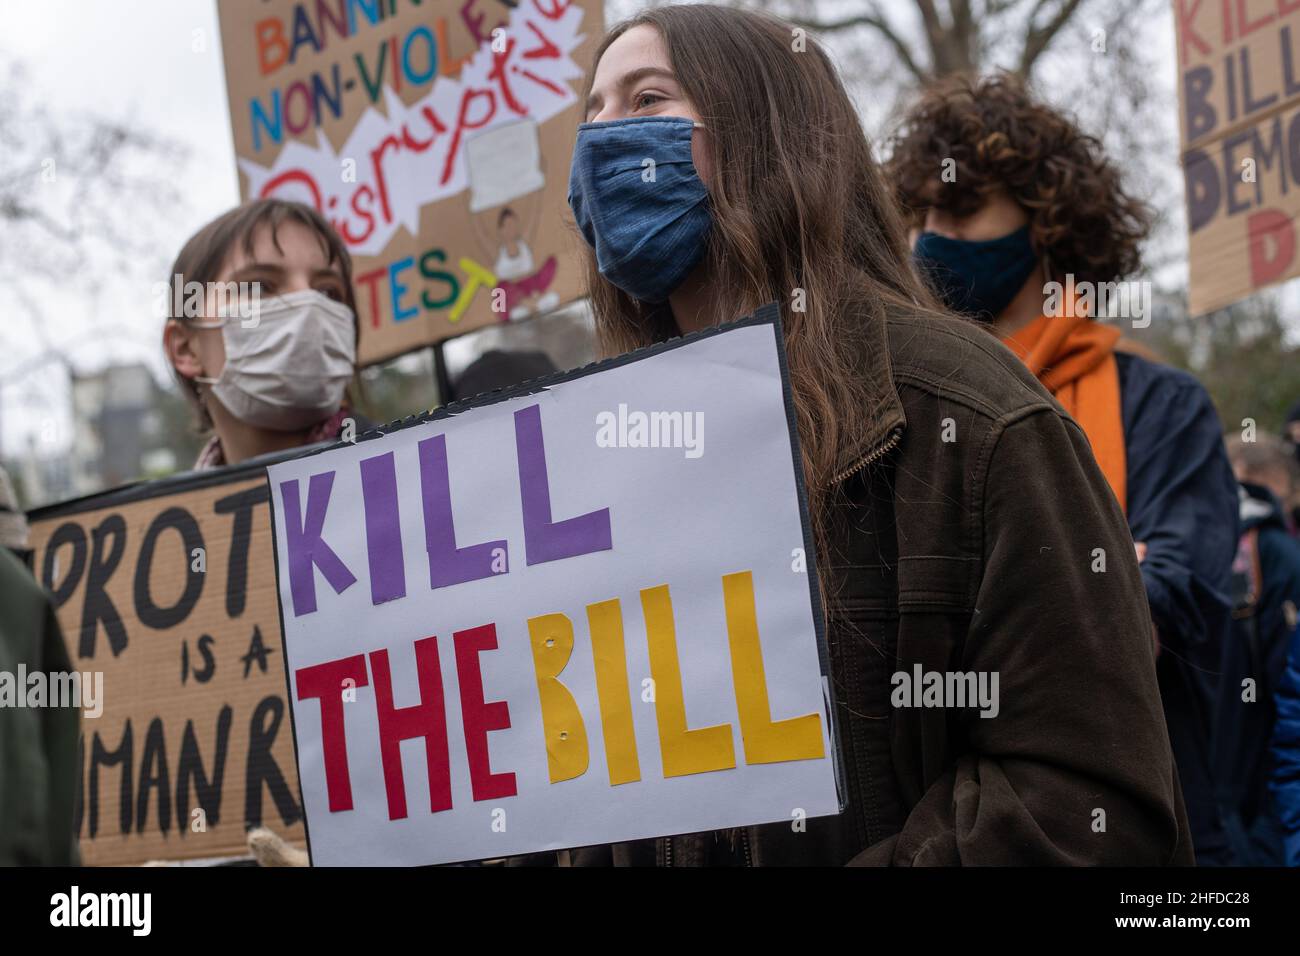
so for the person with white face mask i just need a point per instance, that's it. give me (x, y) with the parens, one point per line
(262, 330)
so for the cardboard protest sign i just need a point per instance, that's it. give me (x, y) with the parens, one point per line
(435, 136)
(583, 613)
(167, 589)
(1239, 95)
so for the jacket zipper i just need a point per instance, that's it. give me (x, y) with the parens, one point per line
(880, 451)
(744, 842)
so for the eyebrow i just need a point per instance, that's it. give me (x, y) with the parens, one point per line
(628, 79)
(252, 268)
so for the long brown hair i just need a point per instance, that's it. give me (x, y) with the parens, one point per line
(801, 216)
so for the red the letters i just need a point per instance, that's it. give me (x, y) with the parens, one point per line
(427, 719)
(480, 716)
(325, 681)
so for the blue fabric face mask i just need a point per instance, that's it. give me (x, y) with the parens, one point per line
(649, 224)
(978, 279)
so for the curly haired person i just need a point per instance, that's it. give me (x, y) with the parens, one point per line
(1020, 221)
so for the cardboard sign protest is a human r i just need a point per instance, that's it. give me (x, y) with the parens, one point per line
(583, 613)
(166, 590)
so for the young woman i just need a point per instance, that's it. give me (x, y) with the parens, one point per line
(267, 365)
(1032, 200)
(974, 554)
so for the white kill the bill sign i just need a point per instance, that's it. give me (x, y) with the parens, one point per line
(503, 635)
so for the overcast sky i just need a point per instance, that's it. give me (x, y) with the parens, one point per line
(156, 64)
(135, 59)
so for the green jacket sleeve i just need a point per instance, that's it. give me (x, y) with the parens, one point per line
(38, 745)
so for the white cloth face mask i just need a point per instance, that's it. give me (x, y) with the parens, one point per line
(288, 369)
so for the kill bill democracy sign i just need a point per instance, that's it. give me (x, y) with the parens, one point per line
(1239, 92)
(434, 135)
(583, 630)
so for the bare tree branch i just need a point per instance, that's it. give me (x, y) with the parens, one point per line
(83, 199)
(993, 8)
(965, 32)
(876, 21)
(930, 17)
(1037, 39)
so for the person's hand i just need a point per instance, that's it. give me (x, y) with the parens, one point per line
(269, 849)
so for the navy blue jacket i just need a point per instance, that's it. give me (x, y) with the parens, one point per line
(1279, 556)
(1286, 754)
(1267, 578)
(1182, 502)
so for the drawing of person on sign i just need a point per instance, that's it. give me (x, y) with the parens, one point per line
(504, 167)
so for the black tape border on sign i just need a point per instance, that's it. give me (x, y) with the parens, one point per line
(770, 315)
(148, 488)
(765, 315)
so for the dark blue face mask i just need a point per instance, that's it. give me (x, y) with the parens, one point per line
(648, 222)
(978, 279)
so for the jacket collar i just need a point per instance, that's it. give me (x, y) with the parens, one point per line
(884, 406)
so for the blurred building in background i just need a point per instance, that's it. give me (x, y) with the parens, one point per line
(41, 475)
(117, 428)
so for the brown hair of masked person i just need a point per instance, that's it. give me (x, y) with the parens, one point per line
(952, 556)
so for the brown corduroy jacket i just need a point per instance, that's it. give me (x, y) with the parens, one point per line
(976, 534)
